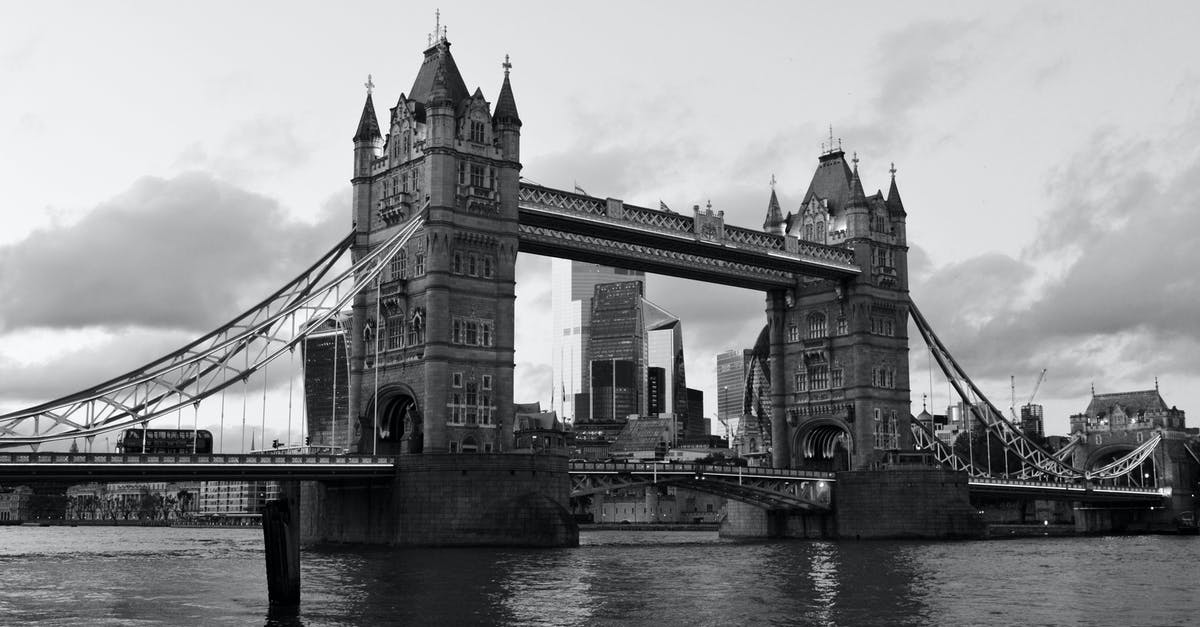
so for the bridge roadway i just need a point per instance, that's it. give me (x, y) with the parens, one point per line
(805, 489)
(771, 487)
(83, 467)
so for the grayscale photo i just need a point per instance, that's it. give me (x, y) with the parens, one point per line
(599, 314)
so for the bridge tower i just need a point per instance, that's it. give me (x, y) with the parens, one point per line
(839, 349)
(431, 348)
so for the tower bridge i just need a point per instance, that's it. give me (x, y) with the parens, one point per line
(420, 379)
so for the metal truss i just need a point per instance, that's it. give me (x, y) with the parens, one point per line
(548, 240)
(205, 367)
(1036, 461)
(765, 487)
(639, 224)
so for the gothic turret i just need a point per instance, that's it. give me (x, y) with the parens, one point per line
(505, 120)
(894, 205)
(858, 216)
(367, 140)
(774, 223)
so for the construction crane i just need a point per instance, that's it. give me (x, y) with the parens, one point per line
(1036, 386)
(1012, 386)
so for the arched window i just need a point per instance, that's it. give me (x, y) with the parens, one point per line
(394, 327)
(816, 325)
(470, 445)
(399, 265)
(416, 328)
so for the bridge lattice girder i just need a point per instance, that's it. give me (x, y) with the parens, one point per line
(559, 223)
(222, 358)
(1037, 462)
(777, 490)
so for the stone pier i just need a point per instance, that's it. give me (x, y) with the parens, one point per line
(447, 500)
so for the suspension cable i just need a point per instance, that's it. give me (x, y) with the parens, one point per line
(291, 380)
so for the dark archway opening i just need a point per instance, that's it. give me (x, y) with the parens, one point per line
(824, 448)
(400, 427)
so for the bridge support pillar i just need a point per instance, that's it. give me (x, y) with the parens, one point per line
(781, 455)
(743, 520)
(908, 503)
(281, 536)
(448, 500)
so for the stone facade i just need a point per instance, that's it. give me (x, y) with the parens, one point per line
(839, 349)
(448, 500)
(431, 368)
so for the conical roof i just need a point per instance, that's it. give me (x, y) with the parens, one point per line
(774, 213)
(368, 124)
(831, 181)
(506, 105)
(858, 198)
(893, 198)
(439, 67)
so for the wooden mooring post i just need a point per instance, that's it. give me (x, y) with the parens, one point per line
(281, 536)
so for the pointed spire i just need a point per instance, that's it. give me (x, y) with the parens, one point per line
(506, 105)
(858, 198)
(368, 124)
(893, 198)
(774, 222)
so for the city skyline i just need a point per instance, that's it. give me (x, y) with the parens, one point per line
(154, 185)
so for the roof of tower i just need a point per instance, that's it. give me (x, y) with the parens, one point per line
(1130, 402)
(506, 105)
(774, 213)
(439, 66)
(831, 181)
(893, 197)
(368, 124)
(655, 317)
(857, 197)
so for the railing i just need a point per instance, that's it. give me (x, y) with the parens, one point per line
(213, 459)
(684, 468)
(678, 224)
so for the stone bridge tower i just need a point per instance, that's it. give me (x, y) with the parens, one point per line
(431, 348)
(839, 349)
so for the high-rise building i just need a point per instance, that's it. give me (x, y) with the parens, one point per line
(573, 286)
(1031, 420)
(732, 368)
(617, 349)
(664, 341)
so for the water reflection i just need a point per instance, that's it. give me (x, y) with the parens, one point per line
(201, 577)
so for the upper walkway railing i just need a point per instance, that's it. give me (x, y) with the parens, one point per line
(565, 223)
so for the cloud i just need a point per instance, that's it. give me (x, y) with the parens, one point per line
(1120, 310)
(254, 148)
(181, 253)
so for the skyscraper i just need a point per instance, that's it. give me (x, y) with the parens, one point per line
(617, 348)
(732, 367)
(573, 284)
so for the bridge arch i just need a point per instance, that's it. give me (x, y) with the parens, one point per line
(823, 444)
(400, 427)
(1141, 475)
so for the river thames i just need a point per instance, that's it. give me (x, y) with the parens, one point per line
(184, 576)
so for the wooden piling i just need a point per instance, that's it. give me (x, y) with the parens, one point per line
(281, 536)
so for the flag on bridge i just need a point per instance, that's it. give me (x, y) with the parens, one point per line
(662, 206)
(579, 190)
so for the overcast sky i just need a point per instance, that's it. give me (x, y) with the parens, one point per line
(165, 165)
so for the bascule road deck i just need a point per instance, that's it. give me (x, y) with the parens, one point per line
(117, 467)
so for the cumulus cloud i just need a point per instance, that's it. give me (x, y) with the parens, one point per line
(1121, 311)
(181, 253)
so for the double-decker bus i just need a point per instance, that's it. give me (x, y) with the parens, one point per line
(165, 442)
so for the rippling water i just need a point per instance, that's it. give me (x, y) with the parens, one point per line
(175, 576)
